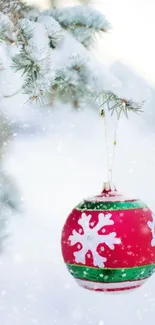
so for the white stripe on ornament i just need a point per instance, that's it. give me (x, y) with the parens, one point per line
(109, 199)
(115, 285)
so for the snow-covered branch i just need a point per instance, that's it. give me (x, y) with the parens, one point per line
(82, 21)
(49, 51)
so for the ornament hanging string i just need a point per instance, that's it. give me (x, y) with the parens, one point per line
(106, 144)
(115, 142)
(110, 165)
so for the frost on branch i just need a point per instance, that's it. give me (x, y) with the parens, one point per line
(83, 21)
(42, 47)
(74, 80)
(6, 28)
(89, 240)
(54, 30)
(116, 104)
(11, 5)
(34, 59)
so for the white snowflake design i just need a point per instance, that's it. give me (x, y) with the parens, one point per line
(151, 225)
(90, 239)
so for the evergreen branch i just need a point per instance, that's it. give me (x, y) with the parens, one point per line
(23, 62)
(74, 25)
(9, 40)
(38, 36)
(12, 7)
(83, 22)
(54, 30)
(69, 90)
(81, 16)
(6, 28)
(73, 81)
(7, 6)
(116, 103)
(39, 89)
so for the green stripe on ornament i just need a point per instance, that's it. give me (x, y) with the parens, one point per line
(108, 275)
(124, 205)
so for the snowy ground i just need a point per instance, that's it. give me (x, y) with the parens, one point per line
(55, 170)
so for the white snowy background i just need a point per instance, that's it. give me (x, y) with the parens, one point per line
(57, 158)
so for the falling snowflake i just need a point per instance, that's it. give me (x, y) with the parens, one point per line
(151, 225)
(89, 240)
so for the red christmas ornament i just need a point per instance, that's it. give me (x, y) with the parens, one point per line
(108, 242)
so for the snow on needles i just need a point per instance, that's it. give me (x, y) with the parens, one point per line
(81, 15)
(50, 56)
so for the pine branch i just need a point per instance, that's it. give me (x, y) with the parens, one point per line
(13, 7)
(6, 29)
(39, 89)
(54, 30)
(72, 84)
(7, 6)
(83, 21)
(34, 54)
(81, 16)
(39, 36)
(117, 104)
